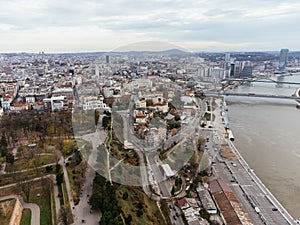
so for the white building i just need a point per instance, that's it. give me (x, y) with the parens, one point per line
(6, 102)
(95, 105)
(138, 84)
(167, 170)
(30, 98)
(56, 102)
(155, 135)
(140, 103)
(62, 92)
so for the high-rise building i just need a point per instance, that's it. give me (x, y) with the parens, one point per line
(247, 71)
(283, 59)
(227, 57)
(227, 61)
(97, 71)
(107, 59)
(232, 70)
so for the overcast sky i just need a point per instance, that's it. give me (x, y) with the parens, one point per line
(104, 25)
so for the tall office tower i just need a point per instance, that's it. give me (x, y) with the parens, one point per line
(227, 61)
(227, 57)
(247, 71)
(107, 59)
(232, 70)
(283, 59)
(97, 71)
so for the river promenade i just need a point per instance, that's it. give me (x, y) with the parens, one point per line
(255, 196)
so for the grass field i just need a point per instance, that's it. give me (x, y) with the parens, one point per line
(10, 179)
(44, 202)
(66, 199)
(22, 164)
(26, 217)
(207, 116)
(53, 207)
(137, 200)
(60, 194)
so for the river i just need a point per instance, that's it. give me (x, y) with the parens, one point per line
(267, 135)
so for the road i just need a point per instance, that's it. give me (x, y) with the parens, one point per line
(164, 188)
(34, 208)
(245, 184)
(143, 169)
(150, 152)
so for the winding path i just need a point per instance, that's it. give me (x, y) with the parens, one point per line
(35, 209)
(33, 206)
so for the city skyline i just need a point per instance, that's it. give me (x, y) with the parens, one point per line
(33, 26)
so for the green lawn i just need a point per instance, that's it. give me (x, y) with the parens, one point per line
(22, 164)
(53, 206)
(10, 179)
(60, 194)
(26, 217)
(47, 159)
(44, 202)
(74, 188)
(109, 137)
(207, 116)
(66, 199)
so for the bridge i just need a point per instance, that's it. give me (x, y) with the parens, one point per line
(220, 94)
(264, 80)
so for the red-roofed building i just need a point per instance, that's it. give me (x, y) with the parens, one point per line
(140, 118)
(183, 203)
(190, 93)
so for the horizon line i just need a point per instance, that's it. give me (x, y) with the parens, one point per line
(103, 51)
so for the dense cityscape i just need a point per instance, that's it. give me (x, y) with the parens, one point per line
(138, 137)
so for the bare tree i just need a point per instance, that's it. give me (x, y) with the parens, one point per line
(24, 185)
(36, 159)
(64, 216)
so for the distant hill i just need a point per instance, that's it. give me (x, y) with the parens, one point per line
(294, 54)
(163, 52)
(175, 52)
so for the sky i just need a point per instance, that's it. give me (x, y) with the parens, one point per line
(101, 25)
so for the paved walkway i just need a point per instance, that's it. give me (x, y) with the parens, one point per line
(83, 211)
(35, 209)
(31, 205)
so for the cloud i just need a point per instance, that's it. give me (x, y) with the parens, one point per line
(217, 23)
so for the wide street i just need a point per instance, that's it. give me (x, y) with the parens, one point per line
(150, 152)
(258, 202)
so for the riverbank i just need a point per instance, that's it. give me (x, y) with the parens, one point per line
(260, 189)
